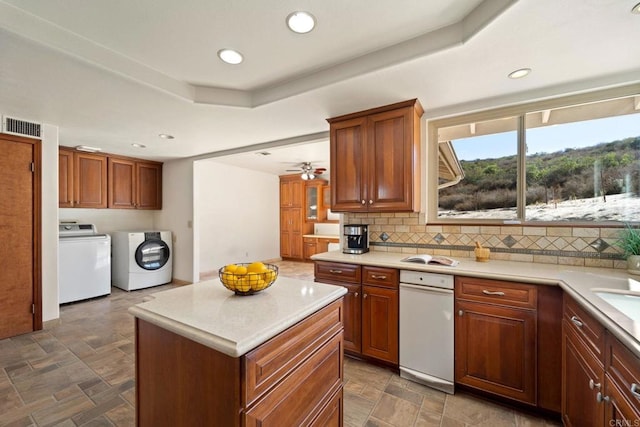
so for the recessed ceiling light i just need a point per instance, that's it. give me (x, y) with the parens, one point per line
(301, 22)
(518, 74)
(230, 56)
(166, 136)
(636, 9)
(135, 144)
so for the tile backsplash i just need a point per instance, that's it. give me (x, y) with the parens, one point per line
(575, 246)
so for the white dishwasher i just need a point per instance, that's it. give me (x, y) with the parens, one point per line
(426, 329)
(84, 267)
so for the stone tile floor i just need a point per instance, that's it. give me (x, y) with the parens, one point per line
(79, 371)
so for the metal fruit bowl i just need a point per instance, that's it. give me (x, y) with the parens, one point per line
(248, 283)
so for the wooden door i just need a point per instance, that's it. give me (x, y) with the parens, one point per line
(65, 178)
(380, 323)
(348, 165)
(352, 318)
(122, 183)
(496, 349)
(390, 160)
(579, 369)
(285, 232)
(296, 233)
(20, 298)
(90, 174)
(310, 247)
(148, 185)
(291, 191)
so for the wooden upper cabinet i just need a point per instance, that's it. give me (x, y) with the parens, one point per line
(149, 185)
(122, 183)
(375, 159)
(65, 178)
(90, 180)
(291, 191)
(134, 184)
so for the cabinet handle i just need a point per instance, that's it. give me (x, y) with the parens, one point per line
(576, 321)
(355, 294)
(370, 201)
(378, 277)
(602, 398)
(364, 202)
(365, 296)
(335, 271)
(593, 384)
(460, 313)
(495, 293)
(635, 390)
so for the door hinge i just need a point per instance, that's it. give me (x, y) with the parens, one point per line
(33, 309)
(33, 167)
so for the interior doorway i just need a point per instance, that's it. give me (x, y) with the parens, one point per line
(20, 273)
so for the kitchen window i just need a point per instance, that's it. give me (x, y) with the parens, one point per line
(569, 160)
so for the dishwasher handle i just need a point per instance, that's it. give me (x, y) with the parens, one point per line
(427, 288)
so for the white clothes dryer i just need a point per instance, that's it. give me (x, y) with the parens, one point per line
(141, 259)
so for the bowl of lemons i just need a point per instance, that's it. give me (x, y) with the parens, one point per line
(248, 278)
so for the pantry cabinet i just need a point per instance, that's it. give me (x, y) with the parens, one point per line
(82, 179)
(375, 158)
(134, 184)
(292, 217)
(370, 306)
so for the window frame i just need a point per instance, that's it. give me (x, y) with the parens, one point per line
(520, 111)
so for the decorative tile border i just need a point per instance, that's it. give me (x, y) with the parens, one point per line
(577, 246)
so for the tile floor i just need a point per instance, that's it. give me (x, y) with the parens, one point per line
(80, 372)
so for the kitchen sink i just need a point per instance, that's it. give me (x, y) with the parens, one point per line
(628, 303)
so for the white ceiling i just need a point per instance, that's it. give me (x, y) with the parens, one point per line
(111, 73)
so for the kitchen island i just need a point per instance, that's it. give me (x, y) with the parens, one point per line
(205, 356)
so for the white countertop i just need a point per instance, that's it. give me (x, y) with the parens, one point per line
(211, 315)
(322, 236)
(579, 282)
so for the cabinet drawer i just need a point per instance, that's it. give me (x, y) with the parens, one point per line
(301, 396)
(331, 415)
(624, 368)
(380, 276)
(585, 326)
(496, 292)
(337, 272)
(272, 361)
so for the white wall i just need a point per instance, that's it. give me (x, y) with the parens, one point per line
(177, 216)
(49, 200)
(110, 220)
(237, 214)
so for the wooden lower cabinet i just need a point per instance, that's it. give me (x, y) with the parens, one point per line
(294, 379)
(580, 369)
(496, 350)
(600, 376)
(380, 319)
(371, 307)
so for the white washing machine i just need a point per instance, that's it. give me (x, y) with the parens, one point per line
(140, 259)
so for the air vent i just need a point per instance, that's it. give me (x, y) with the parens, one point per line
(21, 127)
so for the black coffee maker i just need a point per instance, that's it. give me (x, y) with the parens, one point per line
(356, 239)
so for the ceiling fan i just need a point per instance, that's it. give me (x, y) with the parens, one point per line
(308, 171)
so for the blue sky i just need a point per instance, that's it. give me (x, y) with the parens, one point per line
(550, 138)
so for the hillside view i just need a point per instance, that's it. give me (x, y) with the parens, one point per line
(598, 171)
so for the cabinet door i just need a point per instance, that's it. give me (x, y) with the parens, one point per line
(65, 178)
(291, 191)
(90, 174)
(285, 232)
(390, 159)
(122, 183)
(618, 411)
(310, 247)
(380, 323)
(348, 165)
(352, 318)
(148, 185)
(496, 349)
(579, 369)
